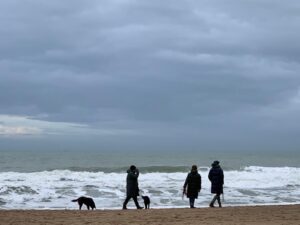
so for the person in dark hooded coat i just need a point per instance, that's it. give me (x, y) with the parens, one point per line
(192, 185)
(132, 187)
(216, 177)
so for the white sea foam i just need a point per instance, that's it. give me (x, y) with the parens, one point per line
(55, 189)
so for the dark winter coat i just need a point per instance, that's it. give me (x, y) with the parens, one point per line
(132, 187)
(216, 177)
(193, 184)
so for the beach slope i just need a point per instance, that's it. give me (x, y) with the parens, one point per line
(252, 215)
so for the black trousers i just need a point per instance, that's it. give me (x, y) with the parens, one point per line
(192, 202)
(134, 199)
(216, 197)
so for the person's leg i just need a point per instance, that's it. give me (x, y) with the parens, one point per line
(126, 201)
(192, 202)
(136, 202)
(213, 201)
(219, 200)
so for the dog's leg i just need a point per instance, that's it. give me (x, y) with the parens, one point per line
(88, 207)
(80, 205)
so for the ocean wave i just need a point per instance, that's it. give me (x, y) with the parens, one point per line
(164, 169)
(144, 169)
(56, 188)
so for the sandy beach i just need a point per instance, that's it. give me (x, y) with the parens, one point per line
(252, 215)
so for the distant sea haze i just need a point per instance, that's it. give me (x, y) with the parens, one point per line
(50, 180)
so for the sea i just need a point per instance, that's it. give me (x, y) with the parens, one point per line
(37, 179)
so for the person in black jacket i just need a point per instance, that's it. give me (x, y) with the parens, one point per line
(192, 185)
(216, 177)
(132, 187)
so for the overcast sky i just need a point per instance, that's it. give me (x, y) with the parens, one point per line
(152, 75)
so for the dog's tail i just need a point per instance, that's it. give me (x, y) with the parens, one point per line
(75, 200)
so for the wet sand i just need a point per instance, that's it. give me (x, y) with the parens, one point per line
(246, 215)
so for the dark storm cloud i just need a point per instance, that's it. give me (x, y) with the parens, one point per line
(188, 68)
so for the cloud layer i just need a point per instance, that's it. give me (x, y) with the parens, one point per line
(202, 74)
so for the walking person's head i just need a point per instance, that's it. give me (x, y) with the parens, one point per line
(216, 163)
(194, 168)
(132, 167)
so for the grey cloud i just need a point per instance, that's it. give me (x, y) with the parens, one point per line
(150, 65)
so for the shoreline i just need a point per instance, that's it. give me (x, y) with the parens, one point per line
(246, 215)
(132, 207)
(156, 208)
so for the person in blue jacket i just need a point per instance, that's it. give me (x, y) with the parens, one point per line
(216, 177)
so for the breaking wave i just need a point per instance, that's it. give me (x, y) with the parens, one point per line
(56, 188)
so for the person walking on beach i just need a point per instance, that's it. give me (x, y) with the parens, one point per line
(216, 177)
(132, 188)
(192, 185)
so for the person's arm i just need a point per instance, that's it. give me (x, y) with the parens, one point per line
(209, 175)
(222, 177)
(200, 183)
(134, 174)
(185, 184)
(137, 172)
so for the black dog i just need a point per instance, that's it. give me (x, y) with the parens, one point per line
(146, 202)
(89, 202)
